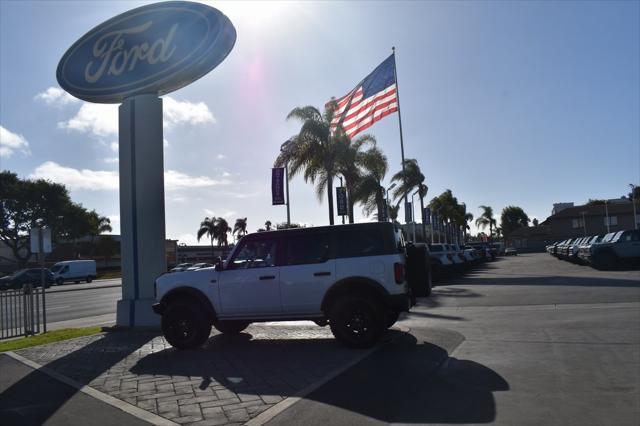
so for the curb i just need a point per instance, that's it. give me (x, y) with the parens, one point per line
(64, 290)
(107, 399)
(281, 406)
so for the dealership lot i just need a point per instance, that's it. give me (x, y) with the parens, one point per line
(522, 340)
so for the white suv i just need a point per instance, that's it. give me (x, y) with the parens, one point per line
(351, 277)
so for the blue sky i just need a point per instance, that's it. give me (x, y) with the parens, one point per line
(505, 103)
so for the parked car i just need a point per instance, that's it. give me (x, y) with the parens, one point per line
(181, 267)
(510, 251)
(74, 270)
(623, 249)
(351, 277)
(199, 266)
(26, 276)
(440, 260)
(583, 250)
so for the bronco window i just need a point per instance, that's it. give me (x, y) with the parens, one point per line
(360, 242)
(255, 254)
(308, 248)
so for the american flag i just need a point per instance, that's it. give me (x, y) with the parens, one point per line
(373, 98)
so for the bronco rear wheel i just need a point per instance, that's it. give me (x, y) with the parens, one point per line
(184, 325)
(357, 322)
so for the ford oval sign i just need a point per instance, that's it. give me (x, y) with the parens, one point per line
(154, 49)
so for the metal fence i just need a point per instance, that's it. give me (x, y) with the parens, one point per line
(22, 312)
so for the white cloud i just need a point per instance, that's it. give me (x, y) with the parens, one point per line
(75, 179)
(179, 112)
(56, 96)
(99, 180)
(11, 142)
(110, 160)
(221, 157)
(226, 174)
(176, 180)
(98, 119)
(102, 119)
(114, 146)
(208, 212)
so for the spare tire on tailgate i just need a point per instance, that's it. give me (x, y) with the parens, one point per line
(418, 269)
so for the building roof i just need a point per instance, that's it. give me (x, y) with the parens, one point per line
(620, 207)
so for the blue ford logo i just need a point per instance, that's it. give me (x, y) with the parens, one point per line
(154, 49)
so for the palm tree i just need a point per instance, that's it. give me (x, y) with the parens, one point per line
(350, 166)
(267, 225)
(240, 228)
(393, 213)
(315, 150)
(369, 190)
(409, 179)
(222, 229)
(208, 227)
(486, 219)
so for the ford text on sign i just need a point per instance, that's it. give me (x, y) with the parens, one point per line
(153, 49)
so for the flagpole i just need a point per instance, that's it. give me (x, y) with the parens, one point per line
(395, 74)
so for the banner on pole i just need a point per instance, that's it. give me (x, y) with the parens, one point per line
(426, 216)
(408, 212)
(277, 186)
(341, 200)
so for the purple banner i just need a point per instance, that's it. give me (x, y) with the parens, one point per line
(277, 186)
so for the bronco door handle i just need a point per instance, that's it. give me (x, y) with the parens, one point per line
(268, 277)
(321, 274)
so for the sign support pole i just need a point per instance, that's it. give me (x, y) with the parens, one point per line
(142, 219)
(42, 283)
(286, 172)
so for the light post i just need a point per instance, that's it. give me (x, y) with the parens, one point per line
(606, 215)
(633, 203)
(387, 194)
(347, 208)
(584, 225)
(413, 216)
(286, 180)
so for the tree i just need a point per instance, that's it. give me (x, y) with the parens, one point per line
(222, 229)
(351, 166)
(208, 227)
(315, 150)
(285, 225)
(240, 227)
(535, 222)
(512, 218)
(25, 204)
(369, 191)
(99, 225)
(393, 213)
(107, 247)
(267, 225)
(486, 219)
(408, 180)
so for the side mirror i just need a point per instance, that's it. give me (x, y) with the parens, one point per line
(219, 265)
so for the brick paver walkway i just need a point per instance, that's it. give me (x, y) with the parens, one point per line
(229, 381)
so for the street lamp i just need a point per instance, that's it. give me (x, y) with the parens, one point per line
(633, 202)
(387, 195)
(413, 216)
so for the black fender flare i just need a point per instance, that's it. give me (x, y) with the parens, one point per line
(192, 293)
(354, 285)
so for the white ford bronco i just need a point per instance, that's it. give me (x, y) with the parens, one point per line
(351, 277)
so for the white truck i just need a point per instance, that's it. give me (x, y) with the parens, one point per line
(74, 270)
(351, 277)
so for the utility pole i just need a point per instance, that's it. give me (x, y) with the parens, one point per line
(633, 202)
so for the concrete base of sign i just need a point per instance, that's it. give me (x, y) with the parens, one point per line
(142, 224)
(144, 315)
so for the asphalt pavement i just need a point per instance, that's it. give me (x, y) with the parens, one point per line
(527, 340)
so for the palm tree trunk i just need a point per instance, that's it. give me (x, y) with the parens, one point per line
(380, 204)
(330, 198)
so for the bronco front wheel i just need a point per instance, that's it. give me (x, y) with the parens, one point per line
(185, 326)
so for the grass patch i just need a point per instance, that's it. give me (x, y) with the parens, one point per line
(48, 337)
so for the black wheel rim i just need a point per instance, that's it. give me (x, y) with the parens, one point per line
(359, 324)
(182, 329)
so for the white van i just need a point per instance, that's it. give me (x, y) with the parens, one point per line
(74, 270)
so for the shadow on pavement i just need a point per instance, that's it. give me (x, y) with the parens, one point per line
(406, 381)
(83, 365)
(551, 281)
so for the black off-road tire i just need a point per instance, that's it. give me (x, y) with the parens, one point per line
(185, 325)
(231, 327)
(59, 281)
(89, 279)
(357, 322)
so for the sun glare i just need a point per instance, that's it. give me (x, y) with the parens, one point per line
(257, 15)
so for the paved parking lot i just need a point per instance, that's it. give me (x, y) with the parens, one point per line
(527, 340)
